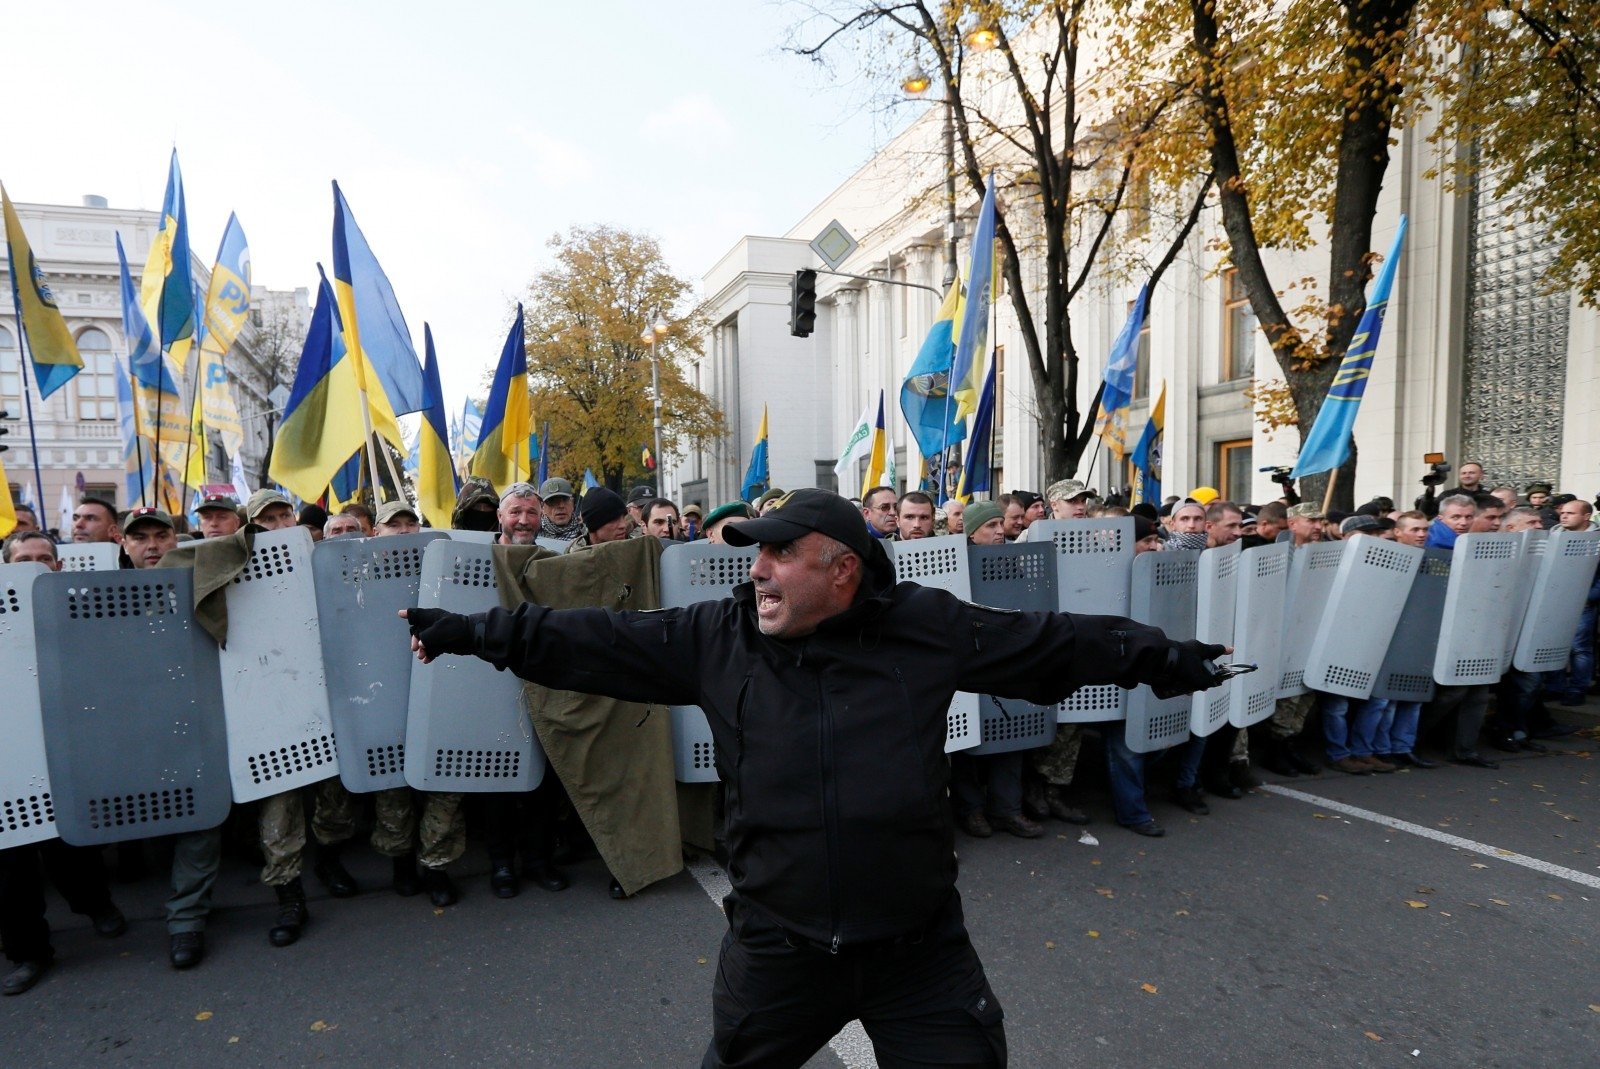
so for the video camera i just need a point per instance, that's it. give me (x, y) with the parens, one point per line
(1437, 469)
(1280, 474)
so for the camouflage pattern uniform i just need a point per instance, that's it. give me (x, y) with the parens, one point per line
(281, 824)
(1059, 760)
(1289, 718)
(439, 838)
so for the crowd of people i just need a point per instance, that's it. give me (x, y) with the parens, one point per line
(528, 836)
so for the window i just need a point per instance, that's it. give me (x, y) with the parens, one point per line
(1141, 367)
(1233, 470)
(10, 369)
(102, 491)
(1238, 330)
(97, 383)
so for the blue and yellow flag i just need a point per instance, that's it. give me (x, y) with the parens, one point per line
(589, 481)
(8, 508)
(972, 345)
(544, 453)
(502, 452)
(166, 288)
(50, 345)
(375, 331)
(877, 452)
(930, 412)
(159, 416)
(226, 306)
(1121, 367)
(436, 476)
(322, 424)
(757, 479)
(138, 473)
(975, 473)
(1147, 454)
(1327, 445)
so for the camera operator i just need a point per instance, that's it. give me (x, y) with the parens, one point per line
(1281, 476)
(1428, 503)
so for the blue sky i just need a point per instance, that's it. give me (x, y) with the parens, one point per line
(464, 135)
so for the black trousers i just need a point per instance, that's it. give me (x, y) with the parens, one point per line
(923, 999)
(522, 822)
(77, 872)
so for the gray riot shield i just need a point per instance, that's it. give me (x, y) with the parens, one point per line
(692, 572)
(88, 556)
(1163, 595)
(1019, 576)
(1478, 606)
(1311, 573)
(274, 694)
(482, 538)
(942, 562)
(1406, 674)
(362, 584)
(1263, 578)
(27, 812)
(1216, 600)
(136, 745)
(554, 545)
(1094, 561)
(1534, 544)
(466, 727)
(1363, 609)
(1566, 571)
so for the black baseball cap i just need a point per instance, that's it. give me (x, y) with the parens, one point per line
(800, 512)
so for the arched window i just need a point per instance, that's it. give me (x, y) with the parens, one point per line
(96, 383)
(10, 369)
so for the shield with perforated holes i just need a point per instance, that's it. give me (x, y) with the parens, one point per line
(1165, 586)
(1478, 606)
(362, 584)
(1019, 576)
(1263, 577)
(1311, 573)
(88, 556)
(467, 729)
(1094, 563)
(1406, 674)
(942, 562)
(1215, 602)
(136, 744)
(27, 811)
(1363, 609)
(1534, 544)
(693, 572)
(1566, 572)
(274, 693)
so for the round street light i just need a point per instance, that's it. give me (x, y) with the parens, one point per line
(916, 82)
(982, 37)
(648, 337)
(661, 325)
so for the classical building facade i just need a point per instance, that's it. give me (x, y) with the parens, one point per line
(77, 428)
(1479, 359)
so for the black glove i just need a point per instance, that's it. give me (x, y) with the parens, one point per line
(442, 632)
(1189, 667)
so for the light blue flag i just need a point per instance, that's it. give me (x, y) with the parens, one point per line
(544, 453)
(589, 481)
(1121, 366)
(1328, 444)
(925, 394)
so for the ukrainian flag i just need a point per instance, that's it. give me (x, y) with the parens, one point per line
(1327, 445)
(436, 476)
(55, 354)
(8, 508)
(157, 406)
(966, 373)
(375, 331)
(318, 433)
(878, 454)
(1116, 395)
(166, 289)
(975, 474)
(925, 394)
(1146, 455)
(757, 479)
(502, 453)
(227, 305)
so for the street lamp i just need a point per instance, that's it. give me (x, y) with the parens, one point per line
(915, 83)
(652, 337)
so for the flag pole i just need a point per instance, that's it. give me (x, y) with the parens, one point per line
(23, 356)
(1327, 498)
(194, 403)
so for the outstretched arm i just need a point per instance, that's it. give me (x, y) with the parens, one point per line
(634, 656)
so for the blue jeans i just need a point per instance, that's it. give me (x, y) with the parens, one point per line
(1401, 723)
(1349, 733)
(1126, 770)
(1579, 673)
(1377, 739)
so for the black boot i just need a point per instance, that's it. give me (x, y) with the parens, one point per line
(441, 888)
(503, 878)
(405, 875)
(331, 871)
(1274, 759)
(292, 915)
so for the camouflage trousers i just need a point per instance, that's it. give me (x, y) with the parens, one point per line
(438, 838)
(1059, 760)
(1289, 718)
(281, 824)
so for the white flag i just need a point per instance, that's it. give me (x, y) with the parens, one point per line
(64, 526)
(241, 487)
(857, 447)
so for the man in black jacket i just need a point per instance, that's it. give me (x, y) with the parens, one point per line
(826, 685)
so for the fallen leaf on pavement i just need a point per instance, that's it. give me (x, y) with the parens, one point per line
(1148, 989)
(1093, 934)
(1499, 901)
(1319, 816)
(1554, 898)
(1325, 898)
(1414, 904)
(1048, 945)
(203, 1015)
(1105, 891)
(1479, 865)
(319, 1026)
(233, 1039)
(1373, 1036)
(1181, 913)
(699, 961)
(1595, 1007)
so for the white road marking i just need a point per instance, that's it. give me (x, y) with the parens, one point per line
(851, 1045)
(1437, 836)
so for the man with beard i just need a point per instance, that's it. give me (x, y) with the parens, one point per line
(520, 515)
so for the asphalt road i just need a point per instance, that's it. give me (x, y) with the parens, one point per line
(1280, 930)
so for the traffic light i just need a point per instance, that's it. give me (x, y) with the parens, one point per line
(803, 303)
(4, 415)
